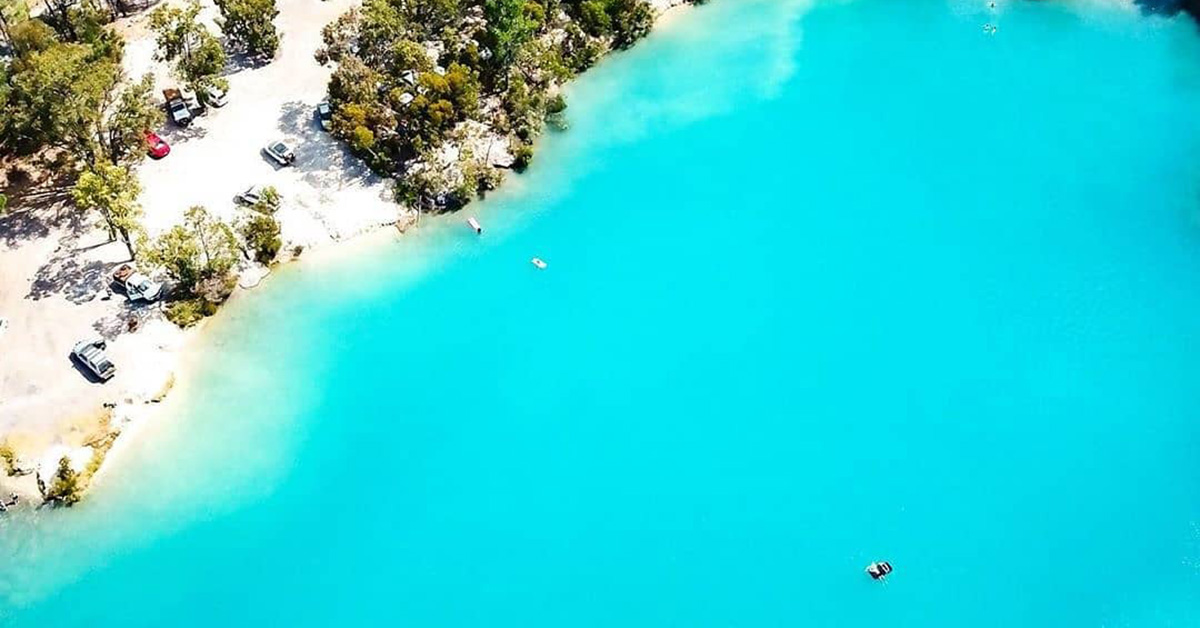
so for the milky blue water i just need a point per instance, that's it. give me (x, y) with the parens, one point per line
(826, 285)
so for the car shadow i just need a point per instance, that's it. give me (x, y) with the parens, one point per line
(262, 152)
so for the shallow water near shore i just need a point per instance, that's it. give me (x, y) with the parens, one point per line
(828, 283)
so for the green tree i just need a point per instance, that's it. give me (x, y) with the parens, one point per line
(179, 254)
(58, 97)
(31, 36)
(268, 201)
(443, 100)
(429, 17)
(112, 191)
(510, 23)
(65, 488)
(579, 52)
(218, 246)
(66, 96)
(203, 248)
(250, 24)
(381, 24)
(183, 40)
(594, 18)
(340, 38)
(631, 21)
(12, 12)
(261, 232)
(408, 55)
(122, 132)
(353, 82)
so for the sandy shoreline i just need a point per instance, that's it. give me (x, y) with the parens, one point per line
(47, 408)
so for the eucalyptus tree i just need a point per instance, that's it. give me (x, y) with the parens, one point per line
(182, 40)
(250, 24)
(112, 191)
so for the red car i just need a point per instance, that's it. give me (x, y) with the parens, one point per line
(155, 146)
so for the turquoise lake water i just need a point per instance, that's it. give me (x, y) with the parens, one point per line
(827, 284)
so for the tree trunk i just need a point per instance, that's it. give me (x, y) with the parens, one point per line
(112, 228)
(4, 28)
(63, 15)
(128, 244)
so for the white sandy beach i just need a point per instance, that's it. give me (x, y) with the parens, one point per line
(55, 265)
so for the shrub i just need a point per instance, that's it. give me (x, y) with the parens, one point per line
(579, 51)
(250, 24)
(65, 488)
(556, 109)
(8, 459)
(262, 237)
(268, 201)
(594, 18)
(188, 312)
(216, 289)
(522, 155)
(632, 20)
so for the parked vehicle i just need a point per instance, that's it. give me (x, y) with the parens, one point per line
(280, 153)
(137, 286)
(325, 116)
(177, 107)
(90, 354)
(156, 147)
(213, 97)
(250, 197)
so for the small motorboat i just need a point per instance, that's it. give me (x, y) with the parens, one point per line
(537, 261)
(475, 225)
(878, 570)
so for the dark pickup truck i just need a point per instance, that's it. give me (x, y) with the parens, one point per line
(177, 107)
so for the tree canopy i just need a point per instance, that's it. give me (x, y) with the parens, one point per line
(112, 191)
(250, 24)
(410, 74)
(196, 53)
(68, 90)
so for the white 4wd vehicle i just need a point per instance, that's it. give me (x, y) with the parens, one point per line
(138, 287)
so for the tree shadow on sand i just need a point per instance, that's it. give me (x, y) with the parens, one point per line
(240, 61)
(322, 161)
(175, 134)
(131, 317)
(36, 207)
(75, 279)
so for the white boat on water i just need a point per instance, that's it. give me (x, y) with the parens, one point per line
(537, 261)
(475, 225)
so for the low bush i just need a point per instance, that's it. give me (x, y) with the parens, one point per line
(261, 233)
(65, 488)
(188, 312)
(522, 155)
